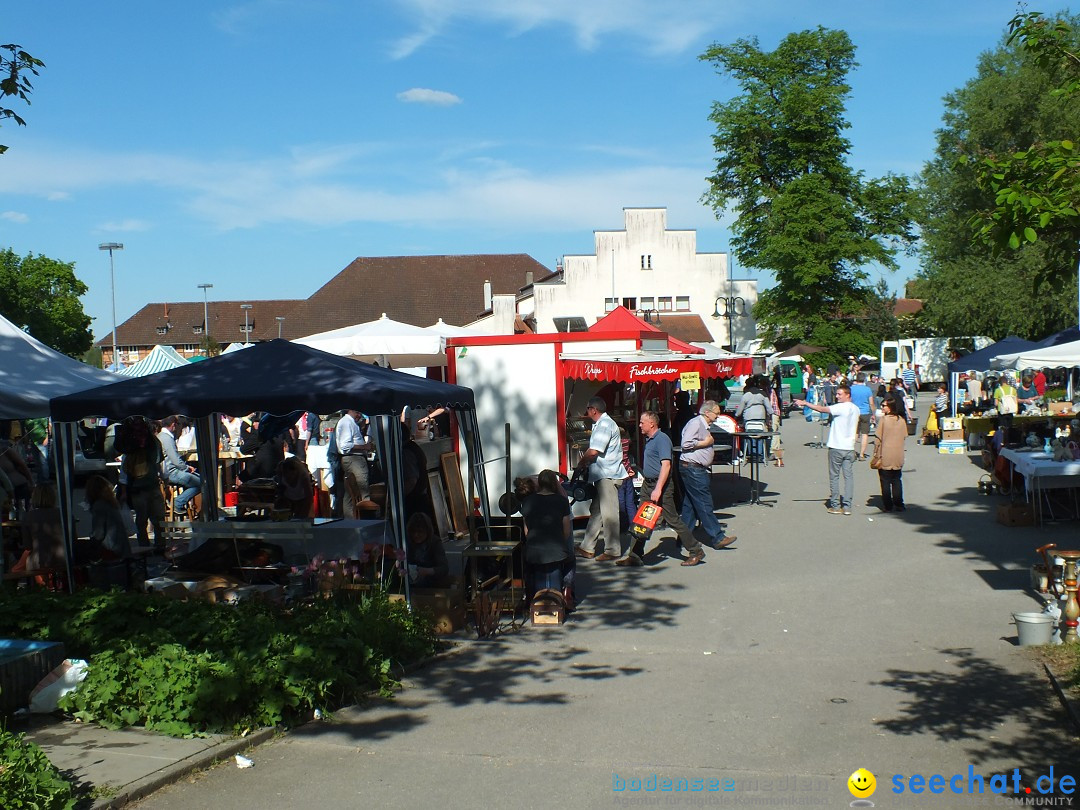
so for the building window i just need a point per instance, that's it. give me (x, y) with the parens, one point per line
(191, 348)
(610, 304)
(646, 261)
(197, 330)
(663, 303)
(648, 302)
(163, 330)
(630, 303)
(682, 303)
(247, 327)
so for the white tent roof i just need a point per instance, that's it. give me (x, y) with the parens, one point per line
(31, 374)
(161, 358)
(445, 329)
(1065, 354)
(235, 347)
(385, 341)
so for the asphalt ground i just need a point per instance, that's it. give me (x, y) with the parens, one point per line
(816, 645)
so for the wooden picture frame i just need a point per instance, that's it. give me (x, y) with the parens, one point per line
(455, 492)
(438, 505)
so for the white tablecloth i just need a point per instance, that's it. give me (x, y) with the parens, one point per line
(1050, 474)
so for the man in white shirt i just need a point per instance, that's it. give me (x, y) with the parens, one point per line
(841, 444)
(353, 446)
(604, 460)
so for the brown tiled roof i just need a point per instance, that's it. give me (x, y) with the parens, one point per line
(689, 328)
(179, 320)
(907, 306)
(412, 289)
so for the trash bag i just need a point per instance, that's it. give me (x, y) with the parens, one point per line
(66, 677)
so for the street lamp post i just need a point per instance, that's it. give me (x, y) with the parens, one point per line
(247, 327)
(734, 307)
(111, 246)
(280, 320)
(206, 316)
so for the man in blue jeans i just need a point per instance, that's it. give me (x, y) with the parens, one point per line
(175, 469)
(695, 467)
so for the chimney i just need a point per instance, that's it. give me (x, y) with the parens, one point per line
(166, 310)
(528, 278)
(487, 294)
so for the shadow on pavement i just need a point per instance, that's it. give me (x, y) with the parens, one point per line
(970, 700)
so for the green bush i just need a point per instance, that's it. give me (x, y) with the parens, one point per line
(28, 779)
(187, 668)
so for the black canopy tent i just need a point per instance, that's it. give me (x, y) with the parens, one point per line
(276, 377)
(980, 361)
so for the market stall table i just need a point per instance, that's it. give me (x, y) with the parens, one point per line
(1042, 473)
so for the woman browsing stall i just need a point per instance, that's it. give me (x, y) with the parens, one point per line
(888, 457)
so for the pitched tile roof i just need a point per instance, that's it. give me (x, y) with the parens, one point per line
(688, 328)
(174, 324)
(907, 306)
(413, 289)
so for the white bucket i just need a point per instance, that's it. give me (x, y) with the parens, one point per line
(1033, 628)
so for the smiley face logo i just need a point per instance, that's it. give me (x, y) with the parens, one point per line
(862, 784)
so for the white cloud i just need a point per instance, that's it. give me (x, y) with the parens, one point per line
(125, 226)
(442, 185)
(55, 196)
(664, 28)
(237, 18)
(422, 95)
(15, 216)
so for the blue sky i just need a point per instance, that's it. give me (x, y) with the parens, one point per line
(261, 146)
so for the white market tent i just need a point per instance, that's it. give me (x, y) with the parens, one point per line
(1064, 355)
(161, 358)
(31, 374)
(235, 347)
(385, 342)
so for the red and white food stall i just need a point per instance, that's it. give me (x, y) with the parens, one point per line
(539, 384)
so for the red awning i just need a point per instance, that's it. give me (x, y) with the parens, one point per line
(644, 370)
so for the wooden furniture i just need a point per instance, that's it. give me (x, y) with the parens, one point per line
(498, 590)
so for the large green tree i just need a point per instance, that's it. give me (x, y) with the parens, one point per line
(801, 211)
(41, 295)
(971, 286)
(16, 67)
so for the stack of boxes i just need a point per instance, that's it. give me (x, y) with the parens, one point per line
(952, 436)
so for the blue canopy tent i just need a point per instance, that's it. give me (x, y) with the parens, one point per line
(277, 377)
(980, 361)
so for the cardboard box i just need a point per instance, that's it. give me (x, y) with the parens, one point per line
(952, 447)
(952, 423)
(952, 435)
(1016, 514)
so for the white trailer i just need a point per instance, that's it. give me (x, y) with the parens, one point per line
(930, 356)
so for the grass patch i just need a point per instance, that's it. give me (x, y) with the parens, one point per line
(1064, 660)
(191, 668)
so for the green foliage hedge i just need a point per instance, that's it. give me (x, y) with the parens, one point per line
(185, 668)
(28, 779)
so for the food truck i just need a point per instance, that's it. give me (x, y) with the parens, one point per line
(539, 384)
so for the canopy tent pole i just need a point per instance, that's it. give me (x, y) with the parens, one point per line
(477, 474)
(207, 448)
(63, 453)
(388, 446)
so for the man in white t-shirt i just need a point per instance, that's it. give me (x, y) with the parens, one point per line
(841, 444)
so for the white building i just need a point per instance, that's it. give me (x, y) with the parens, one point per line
(646, 268)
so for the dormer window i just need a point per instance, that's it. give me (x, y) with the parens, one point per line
(247, 327)
(163, 330)
(198, 330)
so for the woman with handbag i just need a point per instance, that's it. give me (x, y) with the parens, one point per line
(888, 457)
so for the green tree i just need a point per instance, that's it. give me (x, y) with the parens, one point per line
(15, 64)
(1037, 188)
(973, 287)
(41, 295)
(801, 211)
(209, 346)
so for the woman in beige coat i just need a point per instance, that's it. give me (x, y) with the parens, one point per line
(891, 433)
